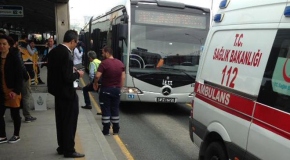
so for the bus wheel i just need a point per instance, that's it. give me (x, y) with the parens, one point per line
(215, 151)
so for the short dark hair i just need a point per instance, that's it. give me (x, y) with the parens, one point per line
(108, 49)
(70, 35)
(92, 54)
(8, 39)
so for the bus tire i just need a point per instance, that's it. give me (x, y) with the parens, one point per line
(215, 151)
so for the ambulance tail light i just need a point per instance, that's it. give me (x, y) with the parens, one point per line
(192, 107)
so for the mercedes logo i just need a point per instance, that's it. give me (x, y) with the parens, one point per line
(166, 91)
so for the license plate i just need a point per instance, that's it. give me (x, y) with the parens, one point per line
(165, 100)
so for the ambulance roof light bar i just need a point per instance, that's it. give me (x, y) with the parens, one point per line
(218, 18)
(224, 4)
(287, 11)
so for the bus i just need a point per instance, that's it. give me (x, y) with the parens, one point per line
(159, 43)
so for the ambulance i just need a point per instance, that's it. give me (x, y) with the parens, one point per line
(241, 107)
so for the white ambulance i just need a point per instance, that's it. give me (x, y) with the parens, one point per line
(241, 108)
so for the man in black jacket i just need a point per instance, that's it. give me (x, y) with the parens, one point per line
(60, 78)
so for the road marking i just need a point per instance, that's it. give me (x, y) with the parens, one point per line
(116, 137)
(189, 105)
(123, 147)
(78, 145)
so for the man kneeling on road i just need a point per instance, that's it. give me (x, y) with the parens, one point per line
(94, 64)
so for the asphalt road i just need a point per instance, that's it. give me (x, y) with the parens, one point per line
(151, 131)
(157, 131)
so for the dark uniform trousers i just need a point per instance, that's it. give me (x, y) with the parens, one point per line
(109, 98)
(66, 117)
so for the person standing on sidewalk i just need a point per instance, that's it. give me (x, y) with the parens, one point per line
(78, 54)
(93, 67)
(50, 46)
(60, 77)
(26, 95)
(112, 72)
(10, 87)
(34, 53)
(25, 91)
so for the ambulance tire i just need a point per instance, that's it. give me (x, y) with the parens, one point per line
(215, 151)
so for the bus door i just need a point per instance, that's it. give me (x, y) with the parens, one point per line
(120, 41)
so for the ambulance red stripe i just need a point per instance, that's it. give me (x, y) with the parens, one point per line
(264, 116)
(223, 107)
(272, 119)
(237, 103)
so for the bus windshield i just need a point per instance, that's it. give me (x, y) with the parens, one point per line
(159, 41)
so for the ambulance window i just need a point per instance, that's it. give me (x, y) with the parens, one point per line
(275, 86)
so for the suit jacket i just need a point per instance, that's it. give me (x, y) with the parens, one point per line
(60, 76)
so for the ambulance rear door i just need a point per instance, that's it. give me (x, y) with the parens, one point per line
(270, 130)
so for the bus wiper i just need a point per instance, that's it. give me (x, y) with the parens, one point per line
(149, 74)
(142, 49)
(180, 70)
(144, 74)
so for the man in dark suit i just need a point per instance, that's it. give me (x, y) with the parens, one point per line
(60, 77)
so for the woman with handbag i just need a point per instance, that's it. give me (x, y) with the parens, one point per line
(11, 78)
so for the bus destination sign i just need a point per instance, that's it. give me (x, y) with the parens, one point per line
(170, 19)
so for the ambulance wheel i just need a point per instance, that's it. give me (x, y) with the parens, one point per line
(215, 151)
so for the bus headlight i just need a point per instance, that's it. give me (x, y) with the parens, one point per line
(192, 94)
(131, 90)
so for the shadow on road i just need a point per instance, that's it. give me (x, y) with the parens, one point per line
(155, 108)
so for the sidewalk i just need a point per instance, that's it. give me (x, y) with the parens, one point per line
(38, 138)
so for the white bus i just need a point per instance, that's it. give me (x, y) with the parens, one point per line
(159, 42)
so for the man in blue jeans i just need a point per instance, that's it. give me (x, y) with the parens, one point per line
(112, 72)
(94, 64)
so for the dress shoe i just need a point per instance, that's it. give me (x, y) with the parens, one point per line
(74, 155)
(59, 151)
(87, 107)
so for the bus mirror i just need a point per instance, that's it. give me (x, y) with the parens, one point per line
(123, 31)
(125, 17)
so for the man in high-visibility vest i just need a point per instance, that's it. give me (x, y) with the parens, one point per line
(93, 67)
